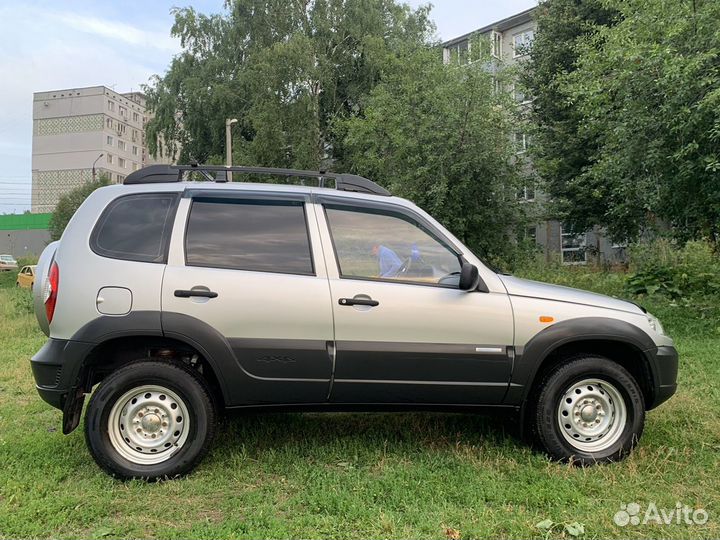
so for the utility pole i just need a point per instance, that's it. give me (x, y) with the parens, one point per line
(228, 144)
(93, 167)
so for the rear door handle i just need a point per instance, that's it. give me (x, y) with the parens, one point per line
(181, 293)
(358, 302)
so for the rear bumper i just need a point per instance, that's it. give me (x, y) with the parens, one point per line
(665, 375)
(56, 367)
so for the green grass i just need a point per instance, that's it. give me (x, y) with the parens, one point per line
(362, 475)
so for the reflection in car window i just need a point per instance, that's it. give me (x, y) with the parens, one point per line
(373, 244)
(263, 236)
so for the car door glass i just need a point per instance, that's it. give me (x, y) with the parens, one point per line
(388, 246)
(253, 235)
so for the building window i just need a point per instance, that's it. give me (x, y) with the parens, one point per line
(111, 105)
(121, 163)
(136, 117)
(496, 44)
(572, 246)
(122, 145)
(110, 159)
(519, 94)
(135, 166)
(109, 123)
(459, 53)
(522, 140)
(120, 178)
(109, 140)
(134, 150)
(527, 193)
(122, 110)
(531, 234)
(522, 43)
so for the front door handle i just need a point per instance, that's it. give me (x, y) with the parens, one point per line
(181, 293)
(358, 302)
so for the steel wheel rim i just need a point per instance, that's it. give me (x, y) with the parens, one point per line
(591, 415)
(148, 424)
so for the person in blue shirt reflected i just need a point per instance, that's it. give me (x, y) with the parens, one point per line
(388, 261)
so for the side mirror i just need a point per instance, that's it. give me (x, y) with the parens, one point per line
(469, 277)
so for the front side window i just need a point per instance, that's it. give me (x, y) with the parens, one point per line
(254, 235)
(136, 228)
(375, 244)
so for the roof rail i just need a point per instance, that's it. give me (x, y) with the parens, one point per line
(155, 174)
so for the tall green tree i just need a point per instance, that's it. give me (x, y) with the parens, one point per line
(440, 136)
(561, 149)
(69, 203)
(648, 92)
(287, 70)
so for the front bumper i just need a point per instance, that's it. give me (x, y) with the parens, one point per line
(665, 374)
(56, 368)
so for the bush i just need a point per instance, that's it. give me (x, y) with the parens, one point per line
(22, 301)
(661, 267)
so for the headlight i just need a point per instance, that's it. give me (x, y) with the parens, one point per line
(655, 324)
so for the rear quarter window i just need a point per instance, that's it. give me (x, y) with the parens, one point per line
(136, 227)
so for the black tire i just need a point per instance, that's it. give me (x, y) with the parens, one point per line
(186, 384)
(547, 414)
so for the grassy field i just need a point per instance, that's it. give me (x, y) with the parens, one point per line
(363, 475)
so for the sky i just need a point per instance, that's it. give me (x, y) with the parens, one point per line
(51, 45)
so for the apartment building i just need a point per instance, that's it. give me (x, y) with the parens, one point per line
(508, 42)
(81, 129)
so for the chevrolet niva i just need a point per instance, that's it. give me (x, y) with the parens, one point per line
(179, 299)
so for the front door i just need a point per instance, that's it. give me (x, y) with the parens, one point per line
(251, 271)
(404, 331)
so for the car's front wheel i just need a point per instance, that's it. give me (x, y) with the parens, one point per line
(589, 410)
(150, 420)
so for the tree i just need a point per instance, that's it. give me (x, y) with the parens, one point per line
(440, 136)
(286, 70)
(648, 92)
(69, 203)
(561, 150)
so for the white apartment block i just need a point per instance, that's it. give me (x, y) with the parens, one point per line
(509, 40)
(74, 129)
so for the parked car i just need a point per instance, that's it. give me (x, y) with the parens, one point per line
(174, 300)
(8, 263)
(26, 277)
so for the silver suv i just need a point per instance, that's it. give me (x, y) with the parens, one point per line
(180, 299)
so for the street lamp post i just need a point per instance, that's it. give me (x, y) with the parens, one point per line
(93, 167)
(228, 144)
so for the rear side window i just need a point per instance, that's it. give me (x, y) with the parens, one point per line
(136, 228)
(261, 236)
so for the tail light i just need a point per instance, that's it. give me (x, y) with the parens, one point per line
(51, 291)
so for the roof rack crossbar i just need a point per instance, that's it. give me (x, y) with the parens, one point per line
(175, 173)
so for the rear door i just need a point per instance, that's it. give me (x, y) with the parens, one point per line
(250, 270)
(405, 332)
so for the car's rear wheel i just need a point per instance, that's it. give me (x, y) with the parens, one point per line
(150, 420)
(589, 410)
